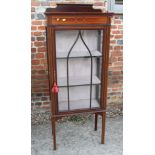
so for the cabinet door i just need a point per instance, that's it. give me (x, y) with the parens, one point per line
(78, 62)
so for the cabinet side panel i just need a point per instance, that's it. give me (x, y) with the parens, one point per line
(105, 62)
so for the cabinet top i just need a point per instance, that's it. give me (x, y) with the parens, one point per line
(74, 9)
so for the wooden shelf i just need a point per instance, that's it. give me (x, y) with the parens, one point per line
(78, 104)
(79, 54)
(78, 81)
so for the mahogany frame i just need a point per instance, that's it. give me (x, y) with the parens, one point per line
(51, 46)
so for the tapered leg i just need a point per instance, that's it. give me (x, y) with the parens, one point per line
(96, 119)
(103, 127)
(54, 133)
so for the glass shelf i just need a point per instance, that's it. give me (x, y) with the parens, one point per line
(78, 104)
(78, 81)
(79, 54)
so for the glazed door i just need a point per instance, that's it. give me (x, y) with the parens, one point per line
(79, 67)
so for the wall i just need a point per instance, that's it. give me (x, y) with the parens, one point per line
(40, 90)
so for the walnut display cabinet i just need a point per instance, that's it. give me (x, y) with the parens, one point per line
(78, 53)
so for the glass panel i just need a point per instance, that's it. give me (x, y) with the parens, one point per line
(78, 83)
(79, 98)
(118, 1)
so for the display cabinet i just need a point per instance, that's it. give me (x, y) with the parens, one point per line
(78, 53)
